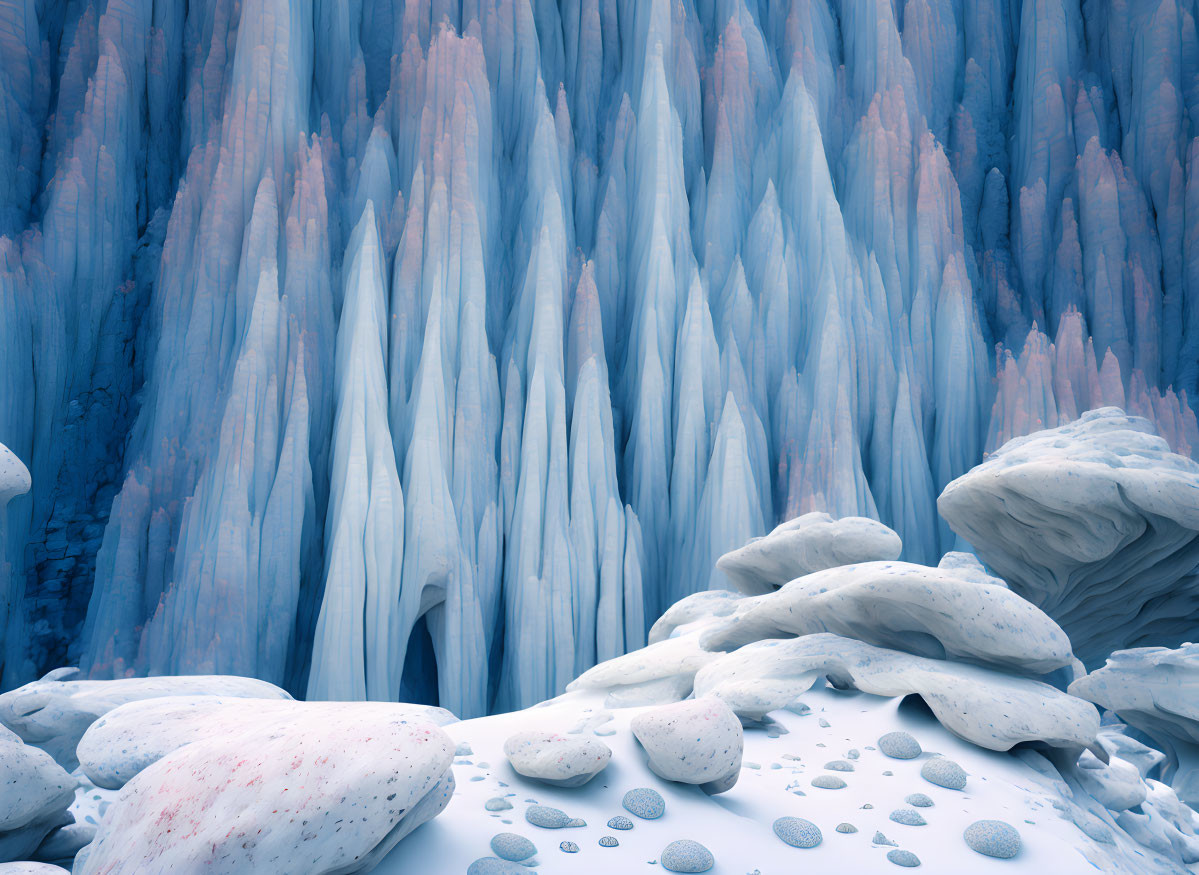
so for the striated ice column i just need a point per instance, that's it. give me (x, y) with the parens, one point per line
(430, 349)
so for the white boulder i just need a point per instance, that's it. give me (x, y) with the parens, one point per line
(318, 789)
(698, 741)
(35, 793)
(564, 760)
(808, 543)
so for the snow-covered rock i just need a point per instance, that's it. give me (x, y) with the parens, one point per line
(330, 788)
(133, 736)
(54, 712)
(934, 612)
(698, 741)
(992, 709)
(1096, 522)
(35, 793)
(564, 760)
(1155, 690)
(810, 542)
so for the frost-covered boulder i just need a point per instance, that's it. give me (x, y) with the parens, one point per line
(564, 760)
(989, 708)
(697, 606)
(136, 735)
(324, 789)
(934, 612)
(698, 741)
(808, 543)
(28, 868)
(659, 673)
(54, 712)
(35, 793)
(1096, 522)
(1155, 690)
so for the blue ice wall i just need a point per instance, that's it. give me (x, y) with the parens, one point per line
(429, 349)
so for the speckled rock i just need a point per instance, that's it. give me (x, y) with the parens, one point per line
(135, 735)
(918, 800)
(495, 866)
(568, 848)
(370, 774)
(34, 794)
(846, 828)
(903, 858)
(880, 839)
(797, 832)
(562, 760)
(608, 842)
(839, 766)
(698, 741)
(551, 818)
(993, 838)
(686, 855)
(644, 802)
(497, 803)
(828, 782)
(620, 822)
(54, 712)
(907, 816)
(510, 846)
(899, 746)
(944, 773)
(27, 868)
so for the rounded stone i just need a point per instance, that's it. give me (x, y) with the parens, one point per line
(551, 818)
(510, 846)
(569, 848)
(497, 803)
(918, 800)
(561, 760)
(685, 855)
(839, 766)
(608, 842)
(495, 866)
(828, 782)
(696, 741)
(620, 822)
(908, 817)
(644, 802)
(797, 832)
(993, 838)
(846, 828)
(944, 773)
(899, 746)
(903, 858)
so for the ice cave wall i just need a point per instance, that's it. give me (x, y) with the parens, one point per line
(429, 349)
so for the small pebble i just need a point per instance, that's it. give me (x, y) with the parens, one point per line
(839, 766)
(880, 839)
(888, 774)
(993, 838)
(645, 803)
(551, 818)
(944, 773)
(797, 832)
(828, 782)
(908, 817)
(846, 828)
(903, 858)
(749, 765)
(463, 750)
(823, 723)
(854, 754)
(799, 708)
(476, 777)
(510, 846)
(685, 855)
(867, 806)
(495, 866)
(497, 803)
(569, 848)
(919, 800)
(482, 765)
(899, 746)
(620, 823)
(608, 842)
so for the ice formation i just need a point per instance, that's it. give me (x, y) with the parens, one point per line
(425, 350)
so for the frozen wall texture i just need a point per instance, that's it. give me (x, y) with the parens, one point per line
(430, 348)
